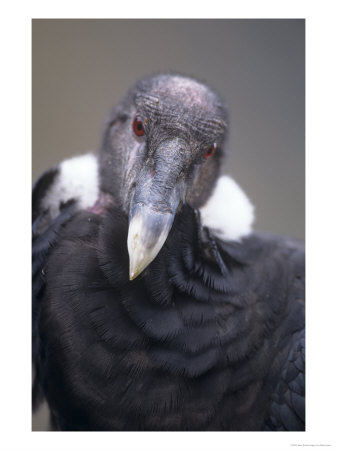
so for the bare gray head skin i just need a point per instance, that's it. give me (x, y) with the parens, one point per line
(151, 175)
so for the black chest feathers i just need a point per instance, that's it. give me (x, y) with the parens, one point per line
(182, 347)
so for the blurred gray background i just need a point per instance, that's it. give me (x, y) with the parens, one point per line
(81, 68)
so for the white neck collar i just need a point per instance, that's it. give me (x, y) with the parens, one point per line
(228, 213)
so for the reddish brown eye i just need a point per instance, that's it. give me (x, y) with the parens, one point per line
(138, 126)
(210, 151)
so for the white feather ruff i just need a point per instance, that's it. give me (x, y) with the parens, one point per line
(228, 213)
(77, 179)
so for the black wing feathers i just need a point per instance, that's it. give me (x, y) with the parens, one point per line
(207, 338)
(287, 411)
(40, 188)
(45, 232)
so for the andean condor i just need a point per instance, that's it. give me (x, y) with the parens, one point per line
(155, 305)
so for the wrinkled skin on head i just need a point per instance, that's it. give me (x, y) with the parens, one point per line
(183, 118)
(151, 175)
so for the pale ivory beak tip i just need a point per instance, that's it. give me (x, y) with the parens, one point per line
(148, 231)
(132, 275)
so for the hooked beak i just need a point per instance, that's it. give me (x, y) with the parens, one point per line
(148, 230)
(154, 203)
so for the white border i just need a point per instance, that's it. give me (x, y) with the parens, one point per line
(321, 222)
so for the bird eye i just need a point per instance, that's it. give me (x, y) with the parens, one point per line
(210, 151)
(138, 126)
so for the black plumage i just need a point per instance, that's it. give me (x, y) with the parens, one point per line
(210, 334)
